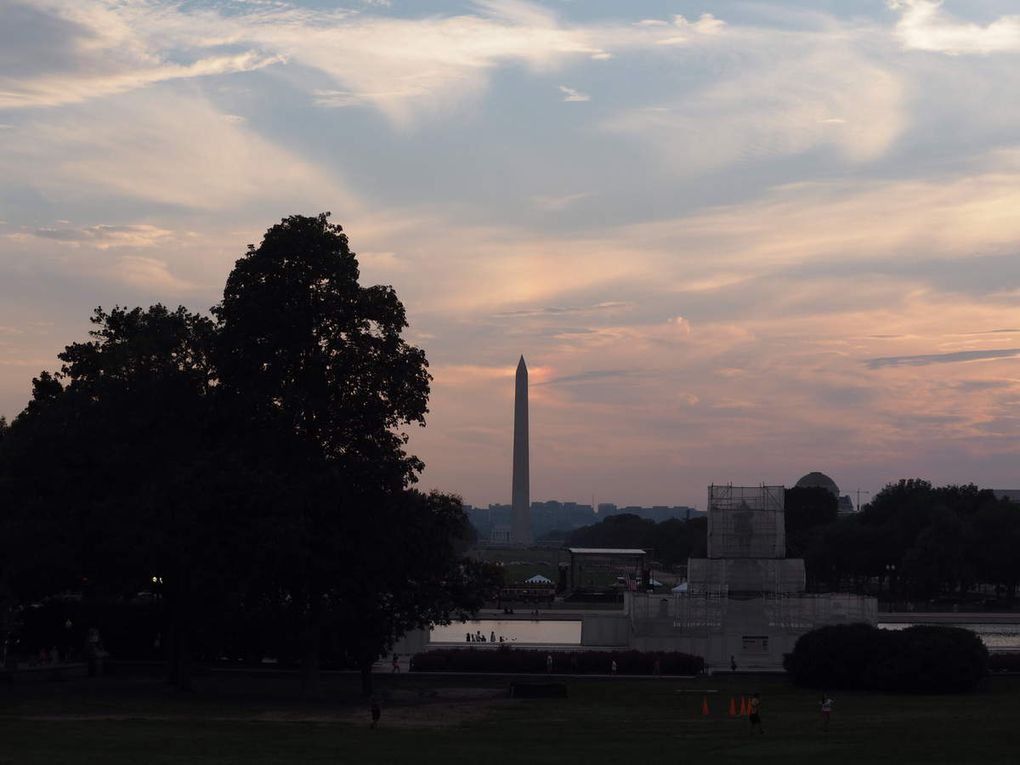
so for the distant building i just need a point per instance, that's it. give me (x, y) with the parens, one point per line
(816, 480)
(745, 601)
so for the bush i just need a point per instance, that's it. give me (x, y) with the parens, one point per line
(524, 661)
(919, 659)
(1004, 662)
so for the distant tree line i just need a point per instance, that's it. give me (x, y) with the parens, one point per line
(920, 542)
(674, 541)
(247, 469)
(913, 541)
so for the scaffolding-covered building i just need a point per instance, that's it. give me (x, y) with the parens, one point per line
(746, 601)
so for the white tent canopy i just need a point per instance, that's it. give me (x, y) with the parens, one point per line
(538, 579)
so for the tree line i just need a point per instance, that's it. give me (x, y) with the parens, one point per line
(920, 542)
(913, 541)
(249, 467)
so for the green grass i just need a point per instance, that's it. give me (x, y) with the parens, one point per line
(620, 721)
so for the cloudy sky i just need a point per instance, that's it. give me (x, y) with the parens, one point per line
(736, 241)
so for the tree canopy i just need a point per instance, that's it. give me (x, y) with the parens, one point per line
(252, 463)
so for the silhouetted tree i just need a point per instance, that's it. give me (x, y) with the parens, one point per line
(255, 465)
(302, 343)
(105, 471)
(807, 509)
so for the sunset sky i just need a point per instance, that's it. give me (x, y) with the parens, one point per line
(735, 241)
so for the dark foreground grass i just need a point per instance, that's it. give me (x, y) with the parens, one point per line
(603, 721)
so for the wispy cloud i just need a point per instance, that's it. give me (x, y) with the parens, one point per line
(942, 358)
(65, 88)
(803, 91)
(924, 25)
(126, 149)
(104, 236)
(404, 67)
(610, 305)
(561, 202)
(150, 274)
(570, 94)
(593, 375)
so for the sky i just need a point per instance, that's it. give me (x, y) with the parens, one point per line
(735, 241)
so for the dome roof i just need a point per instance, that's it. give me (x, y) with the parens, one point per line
(819, 481)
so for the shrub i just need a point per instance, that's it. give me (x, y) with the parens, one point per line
(920, 659)
(834, 657)
(927, 659)
(525, 661)
(1004, 662)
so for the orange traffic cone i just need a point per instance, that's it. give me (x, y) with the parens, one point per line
(704, 706)
(733, 707)
(743, 707)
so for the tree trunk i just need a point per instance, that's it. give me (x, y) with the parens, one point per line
(310, 633)
(178, 648)
(366, 677)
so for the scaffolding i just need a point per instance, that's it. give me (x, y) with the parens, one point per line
(798, 613)
(700, 612)
(746, 522)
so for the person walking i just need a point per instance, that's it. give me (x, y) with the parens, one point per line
(754, 713)
(612, 667)
(376, 712)
(826, 705)
(396, 663)
(548, 663)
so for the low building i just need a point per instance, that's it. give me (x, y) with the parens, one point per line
(745, 602)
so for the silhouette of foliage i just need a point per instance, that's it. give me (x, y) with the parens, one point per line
(254, 464)
(674, 541)
(919, 659)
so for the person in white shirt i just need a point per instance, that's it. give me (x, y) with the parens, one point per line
(826, 705)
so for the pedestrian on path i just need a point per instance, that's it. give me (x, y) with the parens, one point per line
(548, 663)
(396, 663)
(376, 711)
(754, 714)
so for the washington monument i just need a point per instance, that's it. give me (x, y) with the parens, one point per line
(520, 528)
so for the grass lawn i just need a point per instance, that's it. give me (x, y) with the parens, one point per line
(454, 720)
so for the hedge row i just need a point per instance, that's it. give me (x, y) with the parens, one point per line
(1004, 662)
(520, 660)
(919, 659)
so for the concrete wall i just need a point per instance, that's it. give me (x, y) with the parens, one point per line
(413, 642)
(755, 631)
(605, 630)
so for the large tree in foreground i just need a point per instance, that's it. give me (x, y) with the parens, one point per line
(256, 463)
(299, 339)
(109, 473)
(303, 346)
